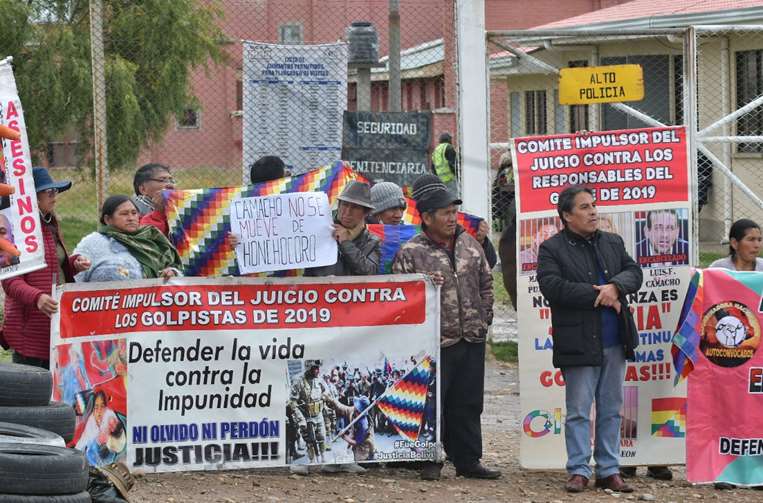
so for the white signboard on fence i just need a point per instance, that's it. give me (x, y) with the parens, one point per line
(215, 374)
(19, 218)
(283, 231)
(294, 97)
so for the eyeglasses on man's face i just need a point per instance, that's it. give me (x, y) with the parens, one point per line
(165, 180)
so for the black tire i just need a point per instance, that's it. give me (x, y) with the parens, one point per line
(42, 470)
(24, 385)
(57, 417)
(18, 433)
(83, 497)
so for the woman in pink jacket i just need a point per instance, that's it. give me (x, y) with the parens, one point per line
(28, 301)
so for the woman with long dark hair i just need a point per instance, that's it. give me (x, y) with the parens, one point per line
(745, 242)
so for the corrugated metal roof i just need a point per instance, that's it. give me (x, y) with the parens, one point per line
(418, 56)
(660, 13)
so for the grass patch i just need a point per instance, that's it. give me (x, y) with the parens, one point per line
(707, 258)
(500, 294)
(5, 356)
(505, 351)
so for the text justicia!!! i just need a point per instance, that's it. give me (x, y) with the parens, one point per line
(239, 452)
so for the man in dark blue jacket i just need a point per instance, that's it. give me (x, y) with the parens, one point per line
(585, 274)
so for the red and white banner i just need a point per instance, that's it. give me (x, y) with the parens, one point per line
(641, 182)
(206, 374)
(19, 218)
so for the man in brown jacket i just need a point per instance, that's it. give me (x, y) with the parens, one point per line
(457, 263)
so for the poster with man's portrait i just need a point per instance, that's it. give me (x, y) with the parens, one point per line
(661, 237)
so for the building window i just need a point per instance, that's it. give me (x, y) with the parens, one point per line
(290, 34)
(423, 102)
(352, 96)
(749, 87)
(239, 95)
(190, 118)
(409, 95)
(535, 112)
(439, 92)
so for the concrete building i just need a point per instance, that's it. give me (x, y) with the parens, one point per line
(730, 75)
(209, 132)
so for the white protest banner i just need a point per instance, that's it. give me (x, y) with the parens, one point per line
(641, 183)
(214, 374)
(283, 232)
(293, 98)
(19, 218)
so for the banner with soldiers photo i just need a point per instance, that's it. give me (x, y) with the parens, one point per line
(215, 374)
(641, 184)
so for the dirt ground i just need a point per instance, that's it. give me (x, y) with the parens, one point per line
(501, 427)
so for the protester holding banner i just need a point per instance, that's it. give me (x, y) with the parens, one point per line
(28, 301)
(358, 252)
(389, 209)
(266, 168)
(744, 247)
(149, 182)
(389, 204)
(456, 261)
(585, 275)
(123, 250)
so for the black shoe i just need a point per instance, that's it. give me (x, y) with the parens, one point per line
(659, 472)
(724, 486)
(478, 471)
(627, 472)
(431, 471)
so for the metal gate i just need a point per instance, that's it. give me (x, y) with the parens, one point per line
(709, 78)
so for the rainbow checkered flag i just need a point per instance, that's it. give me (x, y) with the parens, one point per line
(403, 403)
(686, 338)
(199, 220)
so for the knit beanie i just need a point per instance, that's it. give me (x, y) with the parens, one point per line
(431, 194)
(425, 185)
(386, 195)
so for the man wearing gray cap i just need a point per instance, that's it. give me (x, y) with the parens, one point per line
(456, 262)
(359, 251)
(389, 203)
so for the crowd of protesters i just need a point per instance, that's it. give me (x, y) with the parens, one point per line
(583, 271)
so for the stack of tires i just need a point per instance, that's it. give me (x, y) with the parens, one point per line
(35, 465)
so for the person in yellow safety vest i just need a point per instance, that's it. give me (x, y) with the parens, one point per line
(444, 162)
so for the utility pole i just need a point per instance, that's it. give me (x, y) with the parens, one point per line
(99, 101)
(394, 56)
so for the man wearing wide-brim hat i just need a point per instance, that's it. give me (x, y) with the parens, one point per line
(359, 251)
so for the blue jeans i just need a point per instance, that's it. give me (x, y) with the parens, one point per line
(605, 385)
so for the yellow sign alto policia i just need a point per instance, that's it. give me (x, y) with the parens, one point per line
(600, 84)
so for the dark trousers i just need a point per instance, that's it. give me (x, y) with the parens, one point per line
(462, 388)
(35, 362)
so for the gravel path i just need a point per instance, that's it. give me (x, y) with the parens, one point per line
(501, 444)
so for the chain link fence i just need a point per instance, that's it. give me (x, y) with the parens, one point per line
(176, 90)
(524, 85)
(730, 81)
(524, 93)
